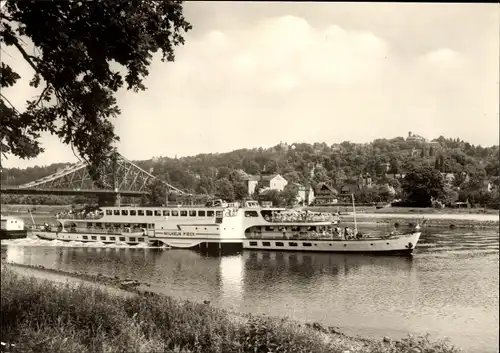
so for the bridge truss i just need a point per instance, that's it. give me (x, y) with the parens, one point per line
(118, 175)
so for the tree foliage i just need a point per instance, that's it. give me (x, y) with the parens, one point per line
(75, 43)
(421, 185)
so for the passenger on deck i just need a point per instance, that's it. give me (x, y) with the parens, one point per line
(347, 233)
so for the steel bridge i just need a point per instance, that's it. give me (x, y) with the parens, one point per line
(118, 177)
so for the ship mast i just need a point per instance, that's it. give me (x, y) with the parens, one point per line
(354, 210)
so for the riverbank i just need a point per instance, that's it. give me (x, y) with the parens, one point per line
(41, 315)
(438, 218)
(451, 221)
(407, 210)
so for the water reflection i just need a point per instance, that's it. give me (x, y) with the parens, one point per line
(448, 288)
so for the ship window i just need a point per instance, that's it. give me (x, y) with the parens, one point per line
(166, 213)
(140, 212)
(253, 243)
(103, 238)
(278, 243)
(218, 213)
(112, 238)
(266, 243)
(149, 213)
(184, 213)
(133, 212)
(122, 238)
(131, 239)
(210, 213)
(201, 213)
(116, 212)
(306, 244)
(269, 228)
(292, 244)
(175, 213)
(157, 213)
(251, 214)
(109, 212)
(93, 237)
(192, 213)
(85, 237)
(124, 212)
(140, 239)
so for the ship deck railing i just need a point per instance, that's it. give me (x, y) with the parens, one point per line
(327, 237)
(110, 231)
(299, 219)
(79, 216)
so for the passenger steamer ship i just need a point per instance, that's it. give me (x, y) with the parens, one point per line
(249, 226)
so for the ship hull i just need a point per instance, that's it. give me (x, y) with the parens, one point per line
(202, 242)
(92, 238)
(404, 245)
(13, 234)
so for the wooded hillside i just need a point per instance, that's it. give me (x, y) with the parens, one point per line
(309, 164)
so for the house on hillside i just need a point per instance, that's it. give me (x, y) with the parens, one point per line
(305, 194)
(272, 182)
(325, 194)
(365, 180)
(448, 178)
(398, 176)
(347, 190)
(239, 173)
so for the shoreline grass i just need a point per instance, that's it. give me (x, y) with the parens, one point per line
(42, 316)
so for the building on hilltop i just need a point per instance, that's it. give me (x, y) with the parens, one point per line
(415, 138)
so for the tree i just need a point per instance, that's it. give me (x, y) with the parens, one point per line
(224, 189)
(74, 44)
(421, 185)
(449, 196)
(274, 196)
(157, 193)
(289, 194)
(394, 166)
(223, 172)
(436, 164)
(385, 193)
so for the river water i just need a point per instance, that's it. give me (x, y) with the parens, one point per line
(448, 288)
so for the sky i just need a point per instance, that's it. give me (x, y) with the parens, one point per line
(254, 74)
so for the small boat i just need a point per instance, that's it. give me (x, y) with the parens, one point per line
(12, 228)
(330, 238)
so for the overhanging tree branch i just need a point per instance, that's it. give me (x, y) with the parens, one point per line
(25, 55)
(12, 105)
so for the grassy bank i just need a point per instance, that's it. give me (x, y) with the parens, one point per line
(40, 316)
